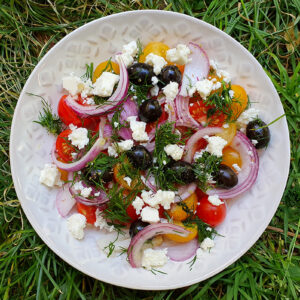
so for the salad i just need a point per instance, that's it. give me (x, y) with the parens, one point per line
(150, 145)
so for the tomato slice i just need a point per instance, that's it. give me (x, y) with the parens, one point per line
(88, 211)
(69, 116)
(183, 239)
(131, 212)
(209, 213)
(64, 147)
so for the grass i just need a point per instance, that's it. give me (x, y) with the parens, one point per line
(269, 30)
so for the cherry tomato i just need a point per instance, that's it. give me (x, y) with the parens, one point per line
(177, 212)
(107, 67)
(63, 173)
(228, 133)
(231, 157)
(88, 211)
(120, 178)
(183, 239)
(69, 116)
(211, 214)
(163, 117)
(157, 48)
(199, 112)
(64, 147)
(131, 212)
(240, 101)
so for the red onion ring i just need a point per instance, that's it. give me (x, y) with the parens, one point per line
(195, 70)
(181, 251)
(184, 117)
(64, 201)
(248, 174)
(137, 242)
(191, 145)
(149, 181)
(114, 100)
(185, 191)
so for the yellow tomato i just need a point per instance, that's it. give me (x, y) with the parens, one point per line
(240, 101)
(228, 133)
(231, 157)
(107, 66)
(120, 178)
(177, 212)
(157, 48)
(183, 239)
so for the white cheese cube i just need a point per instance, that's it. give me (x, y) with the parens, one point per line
(76, 223)
(165, 198)
(138, 204)
(104, 84)
(50, 176)
(78, 136)
(215, 200)
(207, 244)
(171, 91)
(150, 215)
(86, 191)
(179, 55)
(156, 61)
(138, 129)
(154, 258)
(130, 48)
(174, 151)
(247, 116)
(204, 87)
(125, 145)
(215, 145)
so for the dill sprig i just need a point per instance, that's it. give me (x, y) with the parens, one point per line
(116, 120)
(49, 120)
(139, 93)
(140, 49)
(205, 168)
(88, 72)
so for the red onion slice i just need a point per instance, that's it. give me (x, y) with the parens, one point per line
(185, 191)
(184, 117)
(248, 174)
(191, 145)
(64, 201)
(99, 145)
(195, 70)
(134, 250)
(181, 251)
(111, 103)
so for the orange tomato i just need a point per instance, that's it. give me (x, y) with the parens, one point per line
(228, 133)
(63, 173)
(88, 211)
(177, 212)
(231, 157)
(157, 48)
(120, 178)
(107, 67)
(240, 101)
(183, 239)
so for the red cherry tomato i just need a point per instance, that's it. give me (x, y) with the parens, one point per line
(132, 213)
(163, 117)
(69, 116)
(64, 147)
(199, 112)
(211, 214)
(88, 211)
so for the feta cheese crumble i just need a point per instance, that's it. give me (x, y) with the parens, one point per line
(215, 200)
(104, 84)
(171, 91)
(76, 223)
(237, 168)
(86, 191)
(254, 142)
(78, 136)
(50, 176)
(138, 204)
(247, 116)
(138, 129)
(158, 62)
(154, 258)
(150, 215)
(215, 145)
(154, 80)
(207, 244)
(128, 180)
(75, 85)
(204, 87)
(174, 151)
(101, 222)
(129, 51)
(125, 145)
(154, 91)
(179, 55)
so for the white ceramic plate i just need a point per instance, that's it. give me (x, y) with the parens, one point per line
(30, 146)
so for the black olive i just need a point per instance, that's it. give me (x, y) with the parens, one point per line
(226, 177)
(168, 74)
(140, 74)
(140, 157)
(150, 111)
(136, 227)
(96, 176)
(257, 130)
(184, 171)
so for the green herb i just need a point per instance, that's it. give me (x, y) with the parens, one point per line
(165, 178)
(89, 72)
(155, 271)
(139, 92)
(111, 246)
(116, 120)
(47, 119)
(140, 49)
(205, 168)
(100, 100)
(192, 262)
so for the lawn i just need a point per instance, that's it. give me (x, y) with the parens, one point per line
(270, 30)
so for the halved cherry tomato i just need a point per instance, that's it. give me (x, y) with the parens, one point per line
(63, 173)
(231, 157)
(69, 116)
(228, 133)
(240, 101)
(199, 111)
(64, 147)
(177, 211)
(211, 214)
(131, 212)
(157, 48)
(120, 178)
(107, 67)
(183, 239)
(163, 117)
(88, 211)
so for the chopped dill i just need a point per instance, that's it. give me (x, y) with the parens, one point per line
(205, 168)
(192, 262)
(111, 246)
(140, 49)
(89, 72)
(155, 271)
(116, 123)
(139, 93)
(47, 119)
